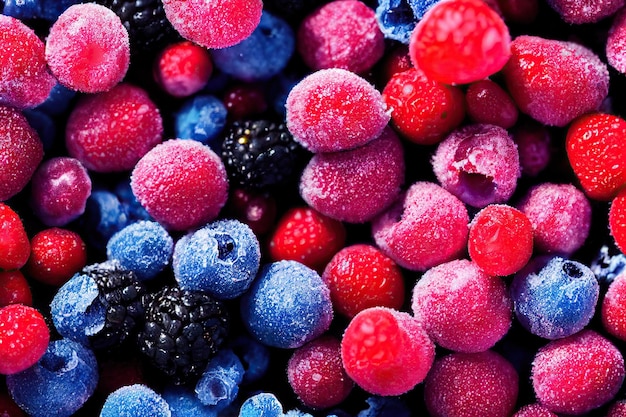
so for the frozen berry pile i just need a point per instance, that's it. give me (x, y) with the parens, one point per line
(312, 208)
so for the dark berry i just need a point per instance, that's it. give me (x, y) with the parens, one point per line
(183, 330)
(260, 154)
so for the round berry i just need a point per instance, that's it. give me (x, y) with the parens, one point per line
(488, 103)
(257, 210)
(14, 245)
(616, 42)
(244, 101)
(14, 289)
(135, 400)
(24, 338)
(613, 311)
(183, 68)
(460, 41)
(534, 145)
(585, 11)
(617, 220)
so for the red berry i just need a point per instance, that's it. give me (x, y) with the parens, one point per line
(534, 145)
(395, 61)
(519, 11)
(460, 41)
(596, 148)
(500, 240)
(361, 276)
(243, 101)
(256, 210)
(488, 103)
(24, 338)
(8, 408)
(613, 309)
(617, 220)
(307, 236)
(183, 68)
(423, 110)
(14, 244)
(56, 255)
(14, 289)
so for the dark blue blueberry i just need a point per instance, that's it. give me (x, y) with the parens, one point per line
(201, 118)
(254, 355)
(608, 264)
(385, 407)
(397, 18)
(22, 9)
(58, 100)
(219, 384)
(43, 125)
(51, 10)
(59, 383)
(135, 400)
(262, 55)
(264, 404)
(130, 205)
(184, 402)
(104, 216)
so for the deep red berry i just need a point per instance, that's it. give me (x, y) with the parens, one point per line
(519, 11)
(596, 148)
(14, 244)
(56, 255)
(534, 144)
(395, 61)
(14, 289)
(307, 236)
(613, 309)
(460, 41)
(500, 240)
(8, 407)
(617, 220)
(254, 209)
(243, 101)
(487, 102)
(183, 68)
(361, 276)
(423, 110)
(24, 338)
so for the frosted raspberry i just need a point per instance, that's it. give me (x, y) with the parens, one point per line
(534, 410)
(111, 131)
(478, 163)
(555, 81)
(341, 34)
(613, 311)
(21, 151)
(460, 41)
(425, 227)
(181, 183)
(88, 48)
(183, 68)
(618, 409)
(14, 289)
(616, 43)
(25, 80)
(488, 103)
(355, 185)
(534, 145)
(335, 109)
(24, 338)
(214, 24)
(585, 11)
(14, 245)
(577, 374)
(617, 220)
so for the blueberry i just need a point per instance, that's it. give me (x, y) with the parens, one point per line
(104, 216)
(58, 100)
(287, 305)
(556, 299)
(51, 10)
(183, 402)
(201, 118)
(221, 259)
(59, 383)
(135, 400)
(22, 9)
(262, 55)
(130, 205)
(254, 356)
(385, 407)
(397, 18)
(608, 264)
(44, 125)
(219, 384)
(261, 405)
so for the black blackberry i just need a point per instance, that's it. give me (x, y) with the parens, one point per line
(148, 28)
(120, 295)
(261, 154)
(183, 330)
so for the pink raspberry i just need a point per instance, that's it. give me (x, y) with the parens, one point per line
(341, 34)
(585, 11)
(111, 131)
(560, 215)
(355, 185)
(25, 80)
(214, 24)
(425, 227)
(617, 409)
(471, 384)
(478, 163)
(181, 183)
(577, 374)
(555, 81)
(461, 307)
(613, 310)
(21, 151)
(616, 43)
(385, 351)
(534, 410)
(24, 338)
(88, 48)
(183, 68)
(335, 109)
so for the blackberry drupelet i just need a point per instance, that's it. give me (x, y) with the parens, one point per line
(183, 330)
(261, 154)
(120, 294)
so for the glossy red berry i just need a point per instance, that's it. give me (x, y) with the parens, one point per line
(14, 289)
(307, 236)
(460, 41)
(487, 102)
(24, 338)
(617, 220)
(183, 68)
(14, 244)
(56, 255)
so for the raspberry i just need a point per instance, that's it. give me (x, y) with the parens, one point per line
(617, 220)
(460, 41)
(585, 11)
(361, 276)
(488, 103)
(257, 210)
(14, 244)
(596, 149)
(24, 338)
(183, 68)
(303, 234)
(616, 42)
(614, 307)
(14, 289)
(423, 110)
(56, 254)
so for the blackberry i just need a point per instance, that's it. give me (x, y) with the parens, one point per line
(183, 330)
(261, 154)
(148, 28)
(120, 294)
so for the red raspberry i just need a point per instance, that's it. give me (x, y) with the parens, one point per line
(361, 276)
(56, 255)
(24, 338)
(617, 220)
(307, 236)
(500, 240)
(423, 110)
(14, 289)
(460, 41)
(596, 148)
(14, 244)
(488, 103)
(183, 68)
